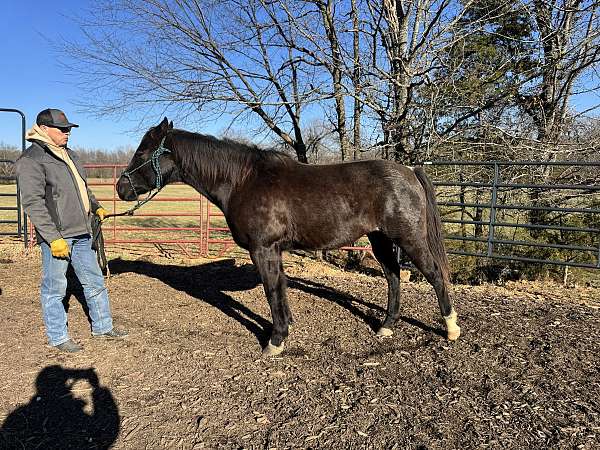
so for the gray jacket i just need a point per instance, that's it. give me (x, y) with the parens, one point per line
(50, 196)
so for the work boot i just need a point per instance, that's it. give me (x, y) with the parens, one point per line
(69, 347)
(115, 333)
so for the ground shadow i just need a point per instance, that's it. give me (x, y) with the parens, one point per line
(346, 301)
(210, 282)
(350, 303)
(55, 419)
(417, 323)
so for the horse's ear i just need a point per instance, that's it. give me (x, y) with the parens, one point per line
(171, 125)
(164, 125)
(160, 130)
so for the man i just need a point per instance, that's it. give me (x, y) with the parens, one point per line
(56, 198)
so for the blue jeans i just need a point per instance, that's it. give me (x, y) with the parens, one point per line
(54, 288)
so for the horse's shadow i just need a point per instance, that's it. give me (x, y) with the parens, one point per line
(211, 282)
(349, 303)
(208, 283)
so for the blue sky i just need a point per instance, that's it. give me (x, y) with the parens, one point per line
(31, 79)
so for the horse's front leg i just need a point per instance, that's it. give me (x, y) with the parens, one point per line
(268, 262)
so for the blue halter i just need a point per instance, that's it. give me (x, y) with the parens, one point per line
(155, 161)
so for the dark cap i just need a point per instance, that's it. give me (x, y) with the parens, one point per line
(54, 118)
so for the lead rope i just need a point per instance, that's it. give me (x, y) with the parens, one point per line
(97, 238)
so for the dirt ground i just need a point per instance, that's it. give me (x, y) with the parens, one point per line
(524, 374)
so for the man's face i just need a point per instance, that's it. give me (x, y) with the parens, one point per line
(60, 136)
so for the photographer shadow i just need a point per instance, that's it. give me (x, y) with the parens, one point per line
(55, 418)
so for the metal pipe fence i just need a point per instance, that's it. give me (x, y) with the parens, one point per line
(510, 211)
(561, 217)
(119, 230)
(21, 219)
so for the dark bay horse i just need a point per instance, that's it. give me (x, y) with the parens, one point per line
(273, 203)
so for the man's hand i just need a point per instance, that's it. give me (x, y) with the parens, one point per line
(59, 248)
(102, 213)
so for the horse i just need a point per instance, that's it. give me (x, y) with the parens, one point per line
(273, 203)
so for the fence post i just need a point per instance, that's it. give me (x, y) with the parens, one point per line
(490, 249)
(201, 220)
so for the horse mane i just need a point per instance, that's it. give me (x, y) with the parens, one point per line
(222, 158)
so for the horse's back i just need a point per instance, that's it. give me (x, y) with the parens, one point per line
(377, 174)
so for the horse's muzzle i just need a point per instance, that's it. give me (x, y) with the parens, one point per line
(125, 190)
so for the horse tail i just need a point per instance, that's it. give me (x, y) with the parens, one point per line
(435, 238)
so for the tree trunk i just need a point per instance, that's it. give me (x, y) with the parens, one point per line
(300, 149)
(356, 81)
(336, 68)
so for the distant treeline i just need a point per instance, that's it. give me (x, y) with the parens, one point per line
(120, 156)
(9, 154)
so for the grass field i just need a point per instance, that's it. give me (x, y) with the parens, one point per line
(8, 199)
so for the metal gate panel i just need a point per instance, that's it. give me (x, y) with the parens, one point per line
(20, 220)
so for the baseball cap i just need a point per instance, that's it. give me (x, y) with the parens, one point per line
(54, 118)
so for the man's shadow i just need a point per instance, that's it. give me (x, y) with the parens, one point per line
(210, 282)
(55, 419)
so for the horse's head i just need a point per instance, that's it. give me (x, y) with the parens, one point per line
(152, 164)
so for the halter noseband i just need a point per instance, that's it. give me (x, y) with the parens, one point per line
(155, 161)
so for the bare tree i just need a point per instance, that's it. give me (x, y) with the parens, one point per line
(197, 56)
(404, 44)
(356, 80)
(276, 60)
(321, 25)
(284, 64)
(567, 37)
(8, 154)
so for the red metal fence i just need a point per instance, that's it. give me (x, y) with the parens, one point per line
(117, 232)
(204, 233)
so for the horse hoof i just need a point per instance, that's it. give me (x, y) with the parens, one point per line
(454, 333)
(451, 326)
(384, 332)
(273, 350)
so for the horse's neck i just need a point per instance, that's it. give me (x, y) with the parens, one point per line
(214, 184)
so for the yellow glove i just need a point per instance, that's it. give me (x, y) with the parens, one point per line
(59, 248)
(101, 212)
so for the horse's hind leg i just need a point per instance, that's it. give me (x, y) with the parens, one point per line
(283, 281)
(383, 249)
(268, 262)
(421, 256)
